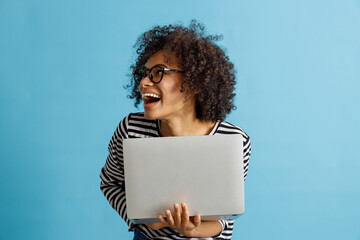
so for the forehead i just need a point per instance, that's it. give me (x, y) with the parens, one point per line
(159, 58)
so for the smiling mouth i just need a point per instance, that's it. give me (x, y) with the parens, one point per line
(150, 98)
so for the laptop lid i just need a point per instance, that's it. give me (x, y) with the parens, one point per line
(205, 172)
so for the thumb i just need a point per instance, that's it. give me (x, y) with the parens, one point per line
(197, 220)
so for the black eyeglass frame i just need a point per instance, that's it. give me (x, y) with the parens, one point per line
(147, 72)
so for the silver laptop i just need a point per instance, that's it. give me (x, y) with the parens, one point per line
(205, 172)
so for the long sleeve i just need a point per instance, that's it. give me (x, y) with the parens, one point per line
(227, 128)
(247, 153)
(112, 174)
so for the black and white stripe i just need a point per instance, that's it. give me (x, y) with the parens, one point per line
(112, 174)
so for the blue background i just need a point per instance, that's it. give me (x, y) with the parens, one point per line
(63, 65)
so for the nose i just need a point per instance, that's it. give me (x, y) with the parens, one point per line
(146, 82)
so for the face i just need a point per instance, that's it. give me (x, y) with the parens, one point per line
(164, 100)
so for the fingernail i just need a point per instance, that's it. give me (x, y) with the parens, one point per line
(176, 206)
(167, 211)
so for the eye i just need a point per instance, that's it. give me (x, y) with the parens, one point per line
(159, 71)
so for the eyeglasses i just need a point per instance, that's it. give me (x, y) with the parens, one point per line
(156, 73)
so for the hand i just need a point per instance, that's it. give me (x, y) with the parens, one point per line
(156, 226)
(181, 221)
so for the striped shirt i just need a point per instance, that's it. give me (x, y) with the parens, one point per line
(112, 174)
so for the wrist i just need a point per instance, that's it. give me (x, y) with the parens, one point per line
(156, 226)
(190, 233)
(206, 229)
(163, 225)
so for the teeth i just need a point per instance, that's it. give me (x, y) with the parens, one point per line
(150, 95)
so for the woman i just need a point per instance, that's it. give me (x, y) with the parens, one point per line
(186, 83)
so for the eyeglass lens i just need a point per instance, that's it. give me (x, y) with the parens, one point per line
(156, 73)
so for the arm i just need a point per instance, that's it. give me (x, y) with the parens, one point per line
(112, 174)
(210, 228)
(247, 153)
(190, 227)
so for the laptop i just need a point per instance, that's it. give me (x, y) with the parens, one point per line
(205, 172)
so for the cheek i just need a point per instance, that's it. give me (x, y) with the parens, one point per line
(171, 88)
(176, 94)
(175, 88)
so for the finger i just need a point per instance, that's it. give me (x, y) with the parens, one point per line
(197, 220)
(184, 213)
(169, 218)
(162, 219)
(177, 215)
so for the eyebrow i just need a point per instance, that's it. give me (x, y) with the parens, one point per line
(157, 65)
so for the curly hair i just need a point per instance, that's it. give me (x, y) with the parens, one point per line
(207, 70)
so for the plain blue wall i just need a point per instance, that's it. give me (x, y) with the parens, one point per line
(63, 65)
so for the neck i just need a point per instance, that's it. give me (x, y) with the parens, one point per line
(189, 126)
